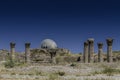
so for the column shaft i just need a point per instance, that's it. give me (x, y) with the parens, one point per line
(85, 56)
(109, 49)
(12, 51)
(100, 52)
(27, 52)
(91, 50)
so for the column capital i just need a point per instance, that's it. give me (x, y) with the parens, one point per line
(86, 43)
(109, 41)
(90, 40)
(100, 45)
(27, 45)
(12, 44)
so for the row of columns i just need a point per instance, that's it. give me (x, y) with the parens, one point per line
(88, 55)
(27, 52)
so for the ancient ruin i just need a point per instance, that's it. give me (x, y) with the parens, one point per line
(27, 52)
(109, 49)
(12, 51)
(100, 52)
(49, 52)
(85, 56)
(91, 50)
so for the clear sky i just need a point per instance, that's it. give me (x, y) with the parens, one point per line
(68, 22)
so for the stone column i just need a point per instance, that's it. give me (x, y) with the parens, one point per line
(109, 49)
(12, 51)
(100, 52)
(91, 50)
(53, 55)
(27, 52)
(85, 56)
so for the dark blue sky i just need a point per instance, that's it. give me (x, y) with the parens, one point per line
(68, 22)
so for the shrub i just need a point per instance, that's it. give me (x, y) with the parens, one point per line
(109, 71)
(73, 65)
(38, 73)
(61, 73)
(9, 64)
(95, 72)
(53, 77)
(59, 59)
(13, 73)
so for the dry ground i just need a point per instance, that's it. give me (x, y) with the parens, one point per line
(71, 71)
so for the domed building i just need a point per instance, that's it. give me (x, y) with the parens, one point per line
(48, 49)
(48, 44)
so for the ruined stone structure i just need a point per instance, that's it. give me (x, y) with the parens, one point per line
(51, 46)
(85, 55)
(27, 52)
(91, 50)
(100, 52)
(3, 54)
(12, 51)
(49, 52)
(53, 55)
(109, 42)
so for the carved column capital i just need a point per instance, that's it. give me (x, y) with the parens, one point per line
(27, 45)
(12, 45)
(100, 45)
(109, 41)
(91, 40)
(86, 43)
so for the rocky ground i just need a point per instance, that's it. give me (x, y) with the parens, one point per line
(71, 71)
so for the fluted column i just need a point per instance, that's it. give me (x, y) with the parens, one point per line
(85, 56)
(91, 50)
(12, 51)
(27, 52)
(109, 49)
(100, 52)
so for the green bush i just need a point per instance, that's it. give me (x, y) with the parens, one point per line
(53, 77)
(38, 73)
(110, 71)
(61, 73)
(73, 65)
(13, 73)
(9, 64)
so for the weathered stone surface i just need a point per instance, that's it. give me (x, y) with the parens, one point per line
(12, 50)
(40, 55)
(43, 55)
(91, 50)
(100, 52)
(27, 52)
(109, 42)
(4, 55)
(85, 55)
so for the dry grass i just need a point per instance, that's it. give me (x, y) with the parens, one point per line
(72, 71)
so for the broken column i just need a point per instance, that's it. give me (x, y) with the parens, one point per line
(12, 51)
(100, 52)
(27, 52)
(109, 49)
(91, 50)
(53, 55)
(85, 56)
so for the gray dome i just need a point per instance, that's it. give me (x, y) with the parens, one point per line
(48, 44)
